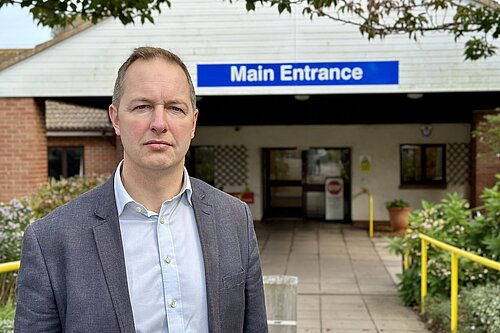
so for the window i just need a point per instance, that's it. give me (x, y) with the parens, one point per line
(423, 164)
(200, 163)
(65, 162)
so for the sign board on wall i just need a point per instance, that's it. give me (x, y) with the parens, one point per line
(334, 197)
(298, 74)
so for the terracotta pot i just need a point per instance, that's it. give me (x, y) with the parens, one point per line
(399, 218)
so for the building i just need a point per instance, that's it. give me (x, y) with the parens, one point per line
(285, 103)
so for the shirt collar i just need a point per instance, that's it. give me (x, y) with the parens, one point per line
(123, 198)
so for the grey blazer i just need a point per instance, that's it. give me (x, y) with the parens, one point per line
(72, 276)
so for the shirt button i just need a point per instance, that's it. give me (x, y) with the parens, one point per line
(173, 304)
(168, 259)
(162, 220)
(138, 209)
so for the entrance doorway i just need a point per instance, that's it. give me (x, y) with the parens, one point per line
(294, 181)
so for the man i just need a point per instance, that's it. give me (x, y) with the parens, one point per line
(151, 250)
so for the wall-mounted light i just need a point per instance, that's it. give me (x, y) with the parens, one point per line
(426, 130)
(302, 98)
(415, 95)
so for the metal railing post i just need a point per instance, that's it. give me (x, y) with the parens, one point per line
(423, 286)
(370, 200)
(406, 258)
(454, 292)
(455, 253)
(370, 204)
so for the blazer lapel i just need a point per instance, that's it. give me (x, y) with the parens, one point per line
(208, 238)
(109, 246)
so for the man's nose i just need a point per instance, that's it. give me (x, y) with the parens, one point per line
(159, 122)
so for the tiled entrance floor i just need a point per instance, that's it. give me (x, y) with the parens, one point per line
(346, 281)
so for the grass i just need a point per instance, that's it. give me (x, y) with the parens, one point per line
(7, 312)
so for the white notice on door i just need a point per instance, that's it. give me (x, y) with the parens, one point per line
(334, 196)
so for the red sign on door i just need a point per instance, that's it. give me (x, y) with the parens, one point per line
(334, 187)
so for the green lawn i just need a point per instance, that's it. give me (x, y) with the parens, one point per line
(7, 318)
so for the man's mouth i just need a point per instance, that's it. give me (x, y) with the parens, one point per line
(158, 144)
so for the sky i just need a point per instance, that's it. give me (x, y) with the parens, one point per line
(18, 30)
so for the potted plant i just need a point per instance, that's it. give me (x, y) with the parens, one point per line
(399, 214)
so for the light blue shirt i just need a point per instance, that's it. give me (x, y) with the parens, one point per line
(164, 262)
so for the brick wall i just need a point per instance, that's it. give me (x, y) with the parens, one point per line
(99, 154)
(23, 147)
(484, 168)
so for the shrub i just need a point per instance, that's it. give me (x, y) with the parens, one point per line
(478, 311)
(56, 193)
(397, 203)
(453, 222)
(14, 218)
(17, 214)
(7, 312)
(482, 309)
(437, 316)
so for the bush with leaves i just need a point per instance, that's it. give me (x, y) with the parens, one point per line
(14, 218)
(478, 311)
(56, 193)
(482, 309)
(451, 221)
(16, 215)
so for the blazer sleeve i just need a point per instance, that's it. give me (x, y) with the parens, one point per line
(255, 308)
(36, 309)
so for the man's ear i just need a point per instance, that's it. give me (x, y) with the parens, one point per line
(113, 116)
(195, 118)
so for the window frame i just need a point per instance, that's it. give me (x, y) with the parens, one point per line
(64, 161)
(424, 182)
(190, 162)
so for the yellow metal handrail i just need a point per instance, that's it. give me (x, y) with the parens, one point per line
(455, 253)
(9, 266)
(370, 203)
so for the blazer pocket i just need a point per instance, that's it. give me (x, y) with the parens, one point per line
(234, 280)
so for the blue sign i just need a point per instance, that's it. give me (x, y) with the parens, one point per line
(298, 74)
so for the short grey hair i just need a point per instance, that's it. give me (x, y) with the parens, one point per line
(150, 53)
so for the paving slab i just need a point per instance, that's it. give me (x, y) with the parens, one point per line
(347, 281)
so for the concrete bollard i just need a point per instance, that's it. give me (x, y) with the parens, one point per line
(281, 303)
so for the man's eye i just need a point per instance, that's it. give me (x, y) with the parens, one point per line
(177, 109)
(142, 107)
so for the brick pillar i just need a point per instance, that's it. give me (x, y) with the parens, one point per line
(484, 167)
(23, 147)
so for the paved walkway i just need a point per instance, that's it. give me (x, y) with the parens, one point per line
(346, 281)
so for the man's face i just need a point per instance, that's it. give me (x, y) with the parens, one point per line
(155, 120)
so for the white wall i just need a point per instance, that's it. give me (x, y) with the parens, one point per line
(380, 142)
(216, 31)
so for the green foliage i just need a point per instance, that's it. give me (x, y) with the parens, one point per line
(14, 218)
(60, 13)
(488, 133)
(453, 222)
(58, 192)
(7, 312)
(16, 215)
(478, 310)
(438, 315)
(397, 203)
(409, 285)
(482, 309)
(479, 23)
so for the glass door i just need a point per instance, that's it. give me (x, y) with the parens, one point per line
(283, 183)
(319, 164)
